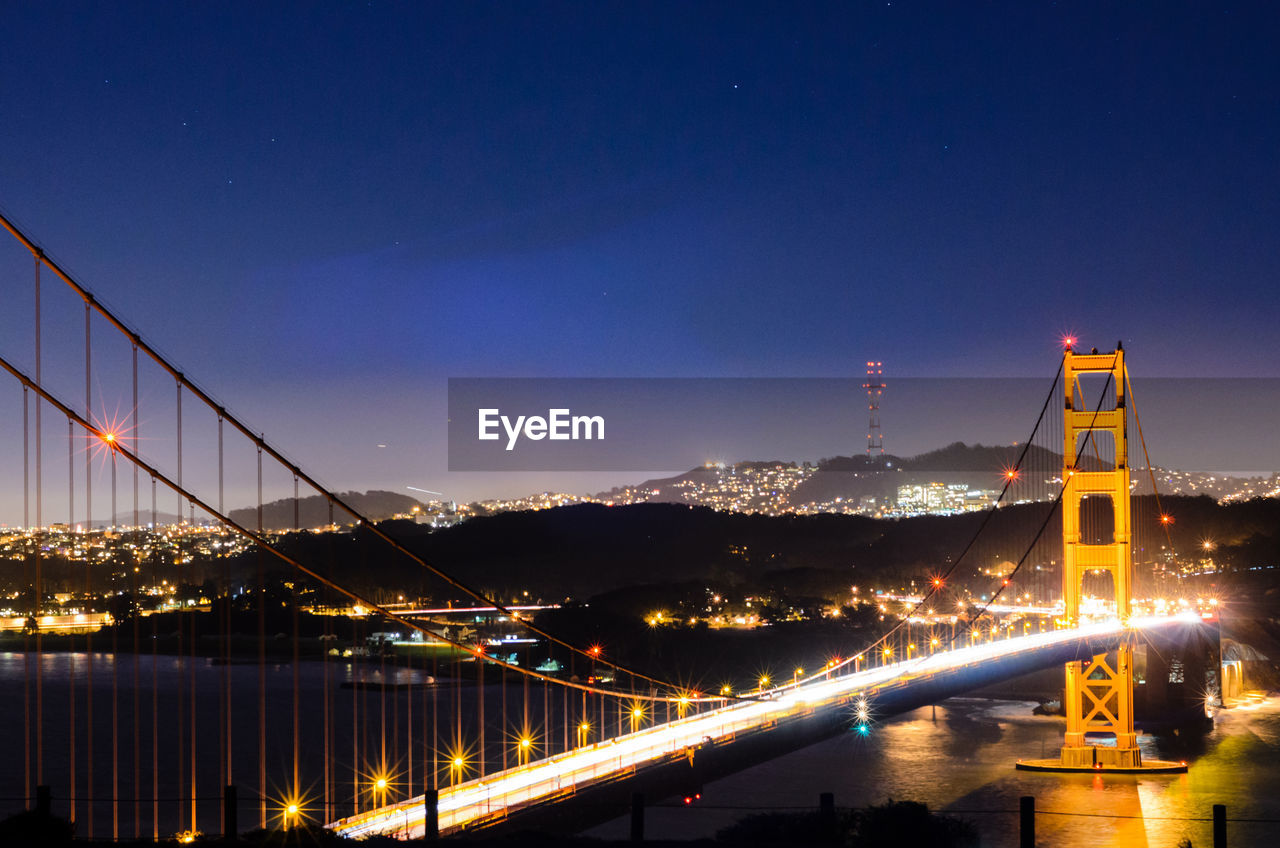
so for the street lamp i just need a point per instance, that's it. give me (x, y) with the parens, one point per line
(380, 785)
(522, 752)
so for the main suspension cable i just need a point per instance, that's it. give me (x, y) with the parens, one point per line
(265, 545)
(258, 440)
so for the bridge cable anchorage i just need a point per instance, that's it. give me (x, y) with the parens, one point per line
(259, 440)
(266, 546)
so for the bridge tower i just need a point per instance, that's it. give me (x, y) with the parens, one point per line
(1099, 695)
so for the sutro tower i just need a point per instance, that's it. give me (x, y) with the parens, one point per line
(875, 388)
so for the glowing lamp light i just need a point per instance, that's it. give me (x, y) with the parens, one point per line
(381, 783)
(292, 809)
(457, 762)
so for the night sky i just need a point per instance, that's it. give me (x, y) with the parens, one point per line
(323, 211)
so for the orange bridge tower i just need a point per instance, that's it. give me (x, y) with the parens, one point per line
(1098, 698)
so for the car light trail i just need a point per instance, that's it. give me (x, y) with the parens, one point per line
(543, 780)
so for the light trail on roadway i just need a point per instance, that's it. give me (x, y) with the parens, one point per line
(543, 781)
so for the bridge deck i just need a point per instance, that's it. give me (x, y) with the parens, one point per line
(892, 688)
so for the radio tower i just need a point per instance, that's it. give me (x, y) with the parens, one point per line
(875, 388)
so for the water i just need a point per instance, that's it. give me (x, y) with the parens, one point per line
(959, 757)
(956, 757)
(367, 728)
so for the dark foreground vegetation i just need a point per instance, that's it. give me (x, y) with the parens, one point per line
(891, 825)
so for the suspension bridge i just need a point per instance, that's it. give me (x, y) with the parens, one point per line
(161, 699)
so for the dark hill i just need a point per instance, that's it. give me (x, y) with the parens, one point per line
(585, 550)
(313, 511)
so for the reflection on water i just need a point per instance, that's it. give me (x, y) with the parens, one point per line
(150, 700)
(959, 757)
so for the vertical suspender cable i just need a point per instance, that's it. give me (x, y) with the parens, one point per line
(154, 558)
(182, 654)
(71, 656)
(262, 666)
(137, 610)
(88, 577)
(458, 750)
(180, 723)
(355, 719)
(39, 587)
(435, 721)
(296, 789)
(192, 735)
(408, 724)
(228, 777)
(505, 727)
(382, 709)
(26, 582)
(328, 718)
(325, 720)
(115, 672)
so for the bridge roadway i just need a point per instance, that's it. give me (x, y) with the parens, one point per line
(667, 750)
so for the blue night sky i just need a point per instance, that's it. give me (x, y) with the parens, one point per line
(322, 211)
